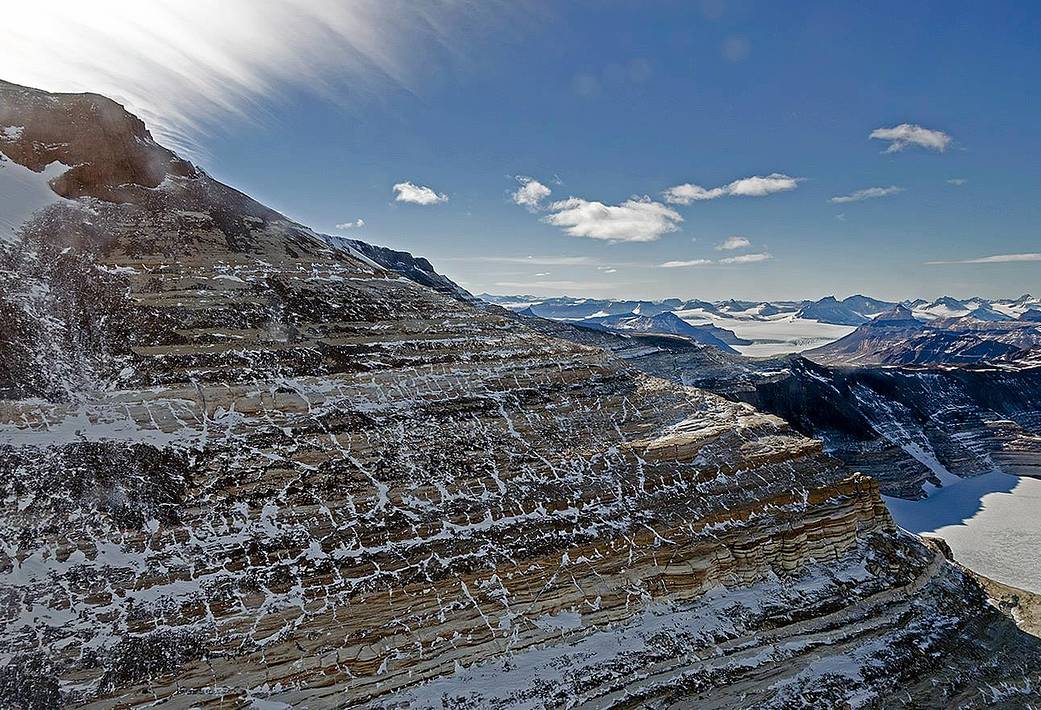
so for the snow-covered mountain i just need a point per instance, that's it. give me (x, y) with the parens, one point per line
(665, 323)
(898, 337)
(854, 310)
(770, 328)
(985, 309)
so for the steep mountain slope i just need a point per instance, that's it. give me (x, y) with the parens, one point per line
(411, 267)
(908, 427)
(242, 466)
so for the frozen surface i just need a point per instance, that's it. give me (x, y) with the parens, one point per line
(992, 523)
(23, 192)
(774, 336)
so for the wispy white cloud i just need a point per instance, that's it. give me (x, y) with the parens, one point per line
(957, 181)
(746, 258)
(739, 259)
(638, 219)
(417, 194)
(755, 186)
(994, 259)
(553, 285)
(537, 260)
(356, 224)
(681, 264)
(909, 134)
(732, 243)
(185, 66)
(868, 193)
(531, 193)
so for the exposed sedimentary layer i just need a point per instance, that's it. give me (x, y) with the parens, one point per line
(907, 427)
(240, 464)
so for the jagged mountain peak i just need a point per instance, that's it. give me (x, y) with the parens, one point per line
(898, 316)
(986, 313)
(109, 151)
(949, 302)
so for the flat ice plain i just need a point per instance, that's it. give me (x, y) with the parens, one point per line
(992, 523)
(778, 335)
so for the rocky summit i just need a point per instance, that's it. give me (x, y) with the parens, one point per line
(244, 465)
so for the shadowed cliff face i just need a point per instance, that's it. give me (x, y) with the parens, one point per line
(906, 426)
(241, 464)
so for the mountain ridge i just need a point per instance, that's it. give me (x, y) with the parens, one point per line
(242, 466)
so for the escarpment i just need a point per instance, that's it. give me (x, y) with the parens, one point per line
(903, 425)
(242, 465)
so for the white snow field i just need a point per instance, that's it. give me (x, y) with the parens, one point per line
(992, 523)
(777, 335)
(23, 192)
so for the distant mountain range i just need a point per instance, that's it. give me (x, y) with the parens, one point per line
(853, 310)
(767, 328)
(896, 337)
(666, 323)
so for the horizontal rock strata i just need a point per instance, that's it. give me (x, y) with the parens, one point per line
(240, 464)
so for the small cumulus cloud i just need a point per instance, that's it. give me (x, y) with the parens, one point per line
(530, 194)
(356, 224)
(868, 193)
(417, 194)
(993, 259)
(746, 258)
(909, 134)
(731, 243)
(638, 219)
(957, 181)
(755, 186)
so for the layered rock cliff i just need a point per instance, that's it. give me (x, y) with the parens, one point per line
(241, 465)
(909, 427)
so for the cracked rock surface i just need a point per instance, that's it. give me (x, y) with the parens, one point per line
(240, 465)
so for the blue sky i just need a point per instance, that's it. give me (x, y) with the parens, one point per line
(609, 102)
